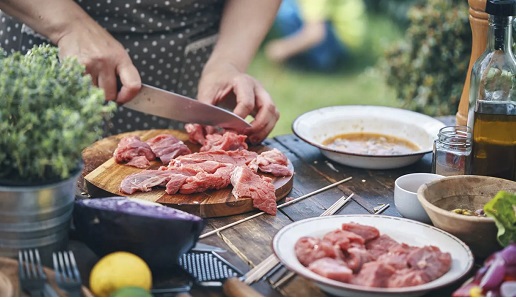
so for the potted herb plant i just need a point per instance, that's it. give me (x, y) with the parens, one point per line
(49, 112)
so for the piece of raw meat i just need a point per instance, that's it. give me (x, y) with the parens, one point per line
(273, 162)
(227, 141)
(310, 249)
(167, 147)
(247, 184)
(131, 147)
(331, 268)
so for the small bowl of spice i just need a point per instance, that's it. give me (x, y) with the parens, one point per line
(455, 204)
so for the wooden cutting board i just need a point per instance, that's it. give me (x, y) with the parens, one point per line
(103, 177)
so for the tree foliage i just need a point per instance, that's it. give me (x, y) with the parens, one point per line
(428, 68)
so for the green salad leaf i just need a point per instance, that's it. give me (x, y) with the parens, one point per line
(502, 208)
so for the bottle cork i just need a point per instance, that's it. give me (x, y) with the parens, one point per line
(478, 20)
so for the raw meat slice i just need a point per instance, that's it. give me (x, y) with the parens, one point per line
(310, 249)
(344, 239)
(430, 260)
(366, 232)
(331, 268)
(130, 147)
(227, 141)
(407, 277)
(203, 181)
(247, 184)
(144, 181)
(356, 257)
(215, 138)
(140, 162)
(374, 274)
(237, 157)
(273, 162)
(381, 245)
(397, 260)
(197, 133)
(167, 147)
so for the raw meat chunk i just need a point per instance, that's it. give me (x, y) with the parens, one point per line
(167, 147)
(247, 184)
(131, 147)
(331, 268)
(310, 249)
(273, 162)
(366, 232)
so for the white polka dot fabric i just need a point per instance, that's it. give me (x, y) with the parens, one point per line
(168, 42)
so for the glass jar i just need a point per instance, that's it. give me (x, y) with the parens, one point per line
(452, 151)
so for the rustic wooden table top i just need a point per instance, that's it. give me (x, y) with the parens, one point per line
(249, 243)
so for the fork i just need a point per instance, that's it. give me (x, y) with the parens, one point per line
(68, 277)
(32, 278)
(271, 266)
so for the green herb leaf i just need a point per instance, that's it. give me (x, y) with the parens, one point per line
(49, 112)
(502, 208)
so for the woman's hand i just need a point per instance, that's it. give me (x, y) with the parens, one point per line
(105, 59)
(223, 84)
(68, 26)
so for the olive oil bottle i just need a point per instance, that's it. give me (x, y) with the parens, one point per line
(492, 110)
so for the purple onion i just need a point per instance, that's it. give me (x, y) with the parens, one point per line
(510, 271)
(509, 254)
(494, 275)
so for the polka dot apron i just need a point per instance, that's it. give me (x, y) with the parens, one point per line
(168, 42)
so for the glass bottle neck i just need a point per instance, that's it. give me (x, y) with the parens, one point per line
(500, 33)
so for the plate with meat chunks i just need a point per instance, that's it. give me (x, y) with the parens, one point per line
(205, 171)
(372, 255)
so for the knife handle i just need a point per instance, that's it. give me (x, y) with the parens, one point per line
(233, 287)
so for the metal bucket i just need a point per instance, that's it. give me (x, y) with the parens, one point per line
(36, 217)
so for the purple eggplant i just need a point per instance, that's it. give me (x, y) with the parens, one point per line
(157, 233)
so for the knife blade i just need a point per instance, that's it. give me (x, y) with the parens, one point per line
(201, 247)
(162, 103)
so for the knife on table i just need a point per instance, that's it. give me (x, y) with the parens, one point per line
(201, 247)
(162, 103)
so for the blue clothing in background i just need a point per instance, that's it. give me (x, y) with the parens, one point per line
(325, 56)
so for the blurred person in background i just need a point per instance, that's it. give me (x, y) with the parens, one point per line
(198, 48)
(317, 34)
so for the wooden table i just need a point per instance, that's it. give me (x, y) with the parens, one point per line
(249, 243)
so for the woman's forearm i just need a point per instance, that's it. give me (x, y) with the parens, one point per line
(50, 18)
(243, 27)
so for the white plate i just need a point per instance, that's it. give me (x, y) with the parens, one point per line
(402, 230)
(316, 126)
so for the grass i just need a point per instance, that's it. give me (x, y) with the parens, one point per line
(358, 82)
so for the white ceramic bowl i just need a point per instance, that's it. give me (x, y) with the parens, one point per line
(405, 195)
(316, 126)
(400, 229)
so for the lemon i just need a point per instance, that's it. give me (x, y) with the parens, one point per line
(131, 291)
(117, 270)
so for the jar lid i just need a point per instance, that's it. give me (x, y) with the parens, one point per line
(501, 7)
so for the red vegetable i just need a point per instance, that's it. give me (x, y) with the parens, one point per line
(497, 277)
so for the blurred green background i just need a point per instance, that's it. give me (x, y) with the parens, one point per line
(358, 82)
(404, 62)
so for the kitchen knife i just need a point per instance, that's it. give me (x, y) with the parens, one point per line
(201, 247)
(158, 102)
